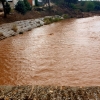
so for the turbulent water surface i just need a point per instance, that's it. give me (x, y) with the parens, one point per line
(63, 53)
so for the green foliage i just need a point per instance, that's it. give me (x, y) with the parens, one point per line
(8, 8)
(70, 1)
(51, 20)
(65, 16)
(57, 1)
(73, 6)
(87, 6)
(82, 3)
(97, 7)
(97, 3)
(90, 6)
(27, 5)
(20, 7)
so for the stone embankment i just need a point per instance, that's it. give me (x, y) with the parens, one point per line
(49, 93)
(18, 27)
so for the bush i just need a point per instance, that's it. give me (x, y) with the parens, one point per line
(20, 7)
(97, 7)
(48, 20)
(65, 16)
(90, 6)
(27, 5)
(73, 6)
(82, 3)
(51, 20)
(14, 28)
(8, 8)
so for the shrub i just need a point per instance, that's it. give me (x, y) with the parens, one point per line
(82, 3)
(51, 20)
(8, 8)
(73, 6)
(56, 19)
(97, 7)
(47, 20)
(14, 28)
(90, 6)
(20, 7)
(65, 16)
(27, 5)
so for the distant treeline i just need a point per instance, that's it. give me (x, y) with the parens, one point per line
(82, 5)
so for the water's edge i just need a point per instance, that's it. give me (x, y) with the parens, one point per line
(19, 27)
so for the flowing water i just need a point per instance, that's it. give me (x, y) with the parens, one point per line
(63, 53)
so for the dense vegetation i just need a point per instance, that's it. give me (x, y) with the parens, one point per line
(84, 6)
(24, 6)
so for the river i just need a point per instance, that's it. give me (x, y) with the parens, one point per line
(62, 53)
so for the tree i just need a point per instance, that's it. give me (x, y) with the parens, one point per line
(70, 1)
(23, 6)
(20, 7)
(4, 7)
(8, 8)
(27, 4)
(48, 1)
(90, 6)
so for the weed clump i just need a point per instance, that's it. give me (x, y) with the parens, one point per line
(14, 28)
(65, 16)
(51, 20)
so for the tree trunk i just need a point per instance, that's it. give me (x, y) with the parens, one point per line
(49, 3)
(4, 8)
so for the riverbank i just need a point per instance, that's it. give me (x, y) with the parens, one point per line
(49, 93)
(16, 23)
(44, 11)
(19, 27)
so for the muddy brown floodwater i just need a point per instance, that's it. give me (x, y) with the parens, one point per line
(63, 53)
